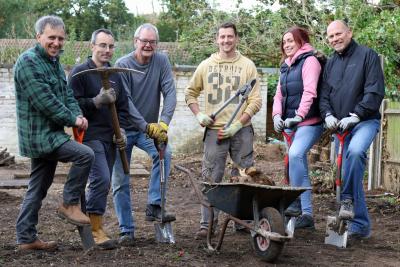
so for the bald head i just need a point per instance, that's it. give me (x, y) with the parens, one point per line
(339, 35)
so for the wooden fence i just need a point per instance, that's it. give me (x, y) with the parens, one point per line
(384, 163)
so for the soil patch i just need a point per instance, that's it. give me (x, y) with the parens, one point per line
(306, 249)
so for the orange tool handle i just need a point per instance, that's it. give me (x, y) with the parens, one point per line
(78, 134)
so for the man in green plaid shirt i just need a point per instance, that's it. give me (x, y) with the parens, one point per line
(44, 106)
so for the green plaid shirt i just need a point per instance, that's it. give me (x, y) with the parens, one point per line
(44, 103)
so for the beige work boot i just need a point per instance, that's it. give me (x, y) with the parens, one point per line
(100, 237)
(73, 214)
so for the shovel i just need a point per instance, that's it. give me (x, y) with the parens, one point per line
(290, 218)
(164, 233)
(85, 232)
(336, 228)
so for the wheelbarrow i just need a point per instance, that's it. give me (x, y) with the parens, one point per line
(241, 202)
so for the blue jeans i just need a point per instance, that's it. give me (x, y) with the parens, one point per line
(304, 138)
(121, 183)
(41, 178)
(99, 176)
(354, 163)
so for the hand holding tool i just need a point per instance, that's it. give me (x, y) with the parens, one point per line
(104, 97)
(156, 132)
(292, 122)
(120, 143)
(279, 124)
(348, 122)
(331, 122)
(230, 131)
(204, 119)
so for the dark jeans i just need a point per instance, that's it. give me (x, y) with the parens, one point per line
(41, 178)
(100, 176)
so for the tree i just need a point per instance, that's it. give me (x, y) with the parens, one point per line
(12, 23)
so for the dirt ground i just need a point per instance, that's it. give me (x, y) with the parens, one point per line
(306, 249)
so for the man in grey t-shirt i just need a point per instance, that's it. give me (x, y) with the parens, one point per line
(144, 92)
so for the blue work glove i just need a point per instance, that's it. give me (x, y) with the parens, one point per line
(204, 119)
(348, 122)
(230, 131)
(292, 122)
(278, 123)
(331, 123)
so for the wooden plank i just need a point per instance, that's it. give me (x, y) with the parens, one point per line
(390, 111)
(391, 153)
(135, 172)
(14, 184)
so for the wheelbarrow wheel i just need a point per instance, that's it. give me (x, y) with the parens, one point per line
(270, 220)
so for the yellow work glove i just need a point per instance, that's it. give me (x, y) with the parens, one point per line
(156, 132)
(230, 131)
(164, 126)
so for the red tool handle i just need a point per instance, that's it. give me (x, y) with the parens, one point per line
(289, 139)
(78, 134)
(341, 137)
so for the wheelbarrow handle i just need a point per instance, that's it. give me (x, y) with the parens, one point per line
(194, 185)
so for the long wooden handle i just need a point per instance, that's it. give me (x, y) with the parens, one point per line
(115, 123)
(117, 131)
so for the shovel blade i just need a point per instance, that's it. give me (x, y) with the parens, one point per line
(164, 233)
(85, 233)
(290, 226)
(333, 235)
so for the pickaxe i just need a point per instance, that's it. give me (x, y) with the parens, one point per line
(105, 73)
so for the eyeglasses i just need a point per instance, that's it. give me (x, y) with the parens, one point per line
(104, 46)
(150, 42)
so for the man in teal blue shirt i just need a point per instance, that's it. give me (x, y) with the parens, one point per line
(44, 106)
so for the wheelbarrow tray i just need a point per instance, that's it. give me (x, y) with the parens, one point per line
(237, 199)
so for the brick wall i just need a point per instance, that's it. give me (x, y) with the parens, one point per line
(185, 133)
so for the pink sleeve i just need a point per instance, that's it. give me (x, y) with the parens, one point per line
(310, 74)
(277, 106)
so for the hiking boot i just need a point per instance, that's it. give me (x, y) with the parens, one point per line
(153, 213)
(202, 234)
(39, 245)
(73, 214)
(356, 238)
(251, 171)
(305, 221)
(294, 209)
(346, 210)
(100, 237)
(126, 239)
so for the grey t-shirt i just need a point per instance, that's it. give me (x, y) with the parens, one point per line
(144, 90)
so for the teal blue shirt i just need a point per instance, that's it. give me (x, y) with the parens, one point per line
(44, 103)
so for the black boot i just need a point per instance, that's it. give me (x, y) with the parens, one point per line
(153, 213)
(294, 209)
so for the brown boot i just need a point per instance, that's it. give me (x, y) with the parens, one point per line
(100, 237)
(73, 214)
(39, 245)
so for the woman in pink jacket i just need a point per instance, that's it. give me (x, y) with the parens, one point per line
(295, 108)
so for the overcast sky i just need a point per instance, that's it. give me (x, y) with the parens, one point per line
(146, 7)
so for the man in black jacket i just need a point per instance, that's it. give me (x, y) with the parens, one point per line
(351, 95)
